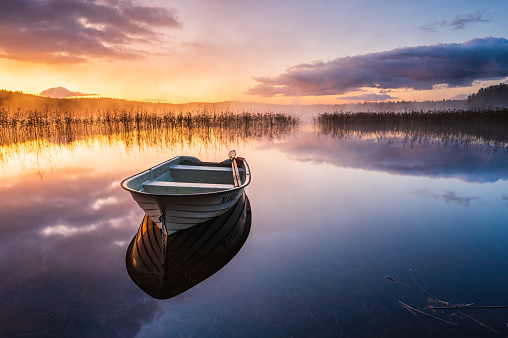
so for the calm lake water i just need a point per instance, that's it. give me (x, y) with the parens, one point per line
(332, 217)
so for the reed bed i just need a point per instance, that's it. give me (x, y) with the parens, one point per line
(473, 126)
(65, 127)
(35, 131)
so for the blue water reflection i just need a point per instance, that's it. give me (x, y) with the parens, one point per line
(332, 218)
(452, 159)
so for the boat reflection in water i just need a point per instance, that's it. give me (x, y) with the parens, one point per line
(189, 256)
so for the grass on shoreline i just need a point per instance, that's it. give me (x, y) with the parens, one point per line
(490, 125)
(163, 127)
(65, 127)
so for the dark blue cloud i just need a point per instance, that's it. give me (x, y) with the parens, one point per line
(460, 22)
(448, 197)
(369, 97)
(419, 68)
(74, 31)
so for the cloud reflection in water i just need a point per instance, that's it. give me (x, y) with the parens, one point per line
(60, 259)
(323, 249)
(395, 156)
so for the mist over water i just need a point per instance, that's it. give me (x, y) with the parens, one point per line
(335, 210)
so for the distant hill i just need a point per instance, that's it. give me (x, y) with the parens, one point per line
(493, 96)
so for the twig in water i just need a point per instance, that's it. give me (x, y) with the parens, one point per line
(396, 281)
(477, 321)
(456, 307)
(407, 307)
(466, 306)
(432, 297)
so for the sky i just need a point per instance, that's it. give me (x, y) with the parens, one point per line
(281, 52)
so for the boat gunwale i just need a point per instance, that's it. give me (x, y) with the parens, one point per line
(123, 184)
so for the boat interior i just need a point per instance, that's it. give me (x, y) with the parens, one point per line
(187, 175)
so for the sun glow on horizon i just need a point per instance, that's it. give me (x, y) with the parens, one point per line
(256, 51)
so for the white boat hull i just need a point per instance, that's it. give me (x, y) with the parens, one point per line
(182, 211)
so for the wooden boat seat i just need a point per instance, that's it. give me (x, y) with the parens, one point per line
(200, 174)
(163, 187)
(205, 168)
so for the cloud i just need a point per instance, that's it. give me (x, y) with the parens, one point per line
(369, 97)
(459, 97)
(448, 197)
(419, 68)
(74, 31)
(62, 93)
(66, 231)
(460, 22)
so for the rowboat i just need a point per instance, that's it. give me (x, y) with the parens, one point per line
(166, 269)
(183, 191)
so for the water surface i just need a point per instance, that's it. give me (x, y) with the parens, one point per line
(332, 216)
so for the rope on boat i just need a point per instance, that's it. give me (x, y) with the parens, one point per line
(163, 234)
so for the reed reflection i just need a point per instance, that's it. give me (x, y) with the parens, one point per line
(468, 145)
(189, 256)
(39, 131)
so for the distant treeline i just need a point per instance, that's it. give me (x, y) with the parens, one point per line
(19, 103)
(493, 96)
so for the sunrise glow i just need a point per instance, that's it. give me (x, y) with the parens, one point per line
(253, 51)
